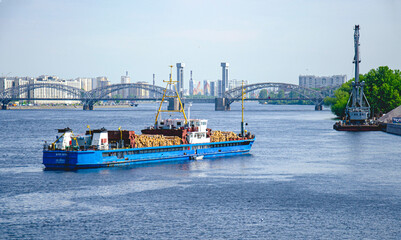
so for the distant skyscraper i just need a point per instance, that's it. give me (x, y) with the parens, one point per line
(213, 88)
(206, 88)
(191, 85)
(86, 83)
(234, 83)
(101, 82)
(125, 79)
(180, 77)
(198, 90)
(224, 82)
(142, 92)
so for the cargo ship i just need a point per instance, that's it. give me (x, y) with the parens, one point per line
(166, 140)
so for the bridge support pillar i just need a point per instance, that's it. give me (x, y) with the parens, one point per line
(174, 104)
(221, 104)
(4, 107)
(88, 106)
(318, 107)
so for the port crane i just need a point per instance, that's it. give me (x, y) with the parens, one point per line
(358, 108)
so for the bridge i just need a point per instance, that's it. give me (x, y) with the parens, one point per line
(303, 93)
(89, 98)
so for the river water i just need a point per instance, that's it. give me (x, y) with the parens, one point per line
(302, 180)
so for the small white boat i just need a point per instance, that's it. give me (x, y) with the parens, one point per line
(198, 157)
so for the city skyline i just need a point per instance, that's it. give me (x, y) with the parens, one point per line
(264, 41)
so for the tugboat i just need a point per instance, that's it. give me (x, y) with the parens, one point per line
(167, 140)
(357, 111)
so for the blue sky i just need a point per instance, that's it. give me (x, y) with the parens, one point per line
(264, 41)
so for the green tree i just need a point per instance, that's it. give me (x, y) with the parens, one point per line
(383, 87)
(382, 90)
(117, 96)
(263, 95)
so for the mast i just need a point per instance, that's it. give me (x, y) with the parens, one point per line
(242, 121)
(170, 83)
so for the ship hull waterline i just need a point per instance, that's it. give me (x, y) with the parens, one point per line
(73, 160)
(357, 128)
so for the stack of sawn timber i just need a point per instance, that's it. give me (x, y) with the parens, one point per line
(219, 136)
(146, 140)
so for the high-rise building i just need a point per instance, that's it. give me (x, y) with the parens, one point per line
(234, 83)
(312, 81)
(198, 90)
(86, 83)
(5, 83)
(180, 77)
(206, 88)
(213, 88)
(191, 85)
(101, 82)
(224, 82)
(125, 79)
(142, 92)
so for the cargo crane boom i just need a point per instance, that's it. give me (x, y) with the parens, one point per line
(358, 108)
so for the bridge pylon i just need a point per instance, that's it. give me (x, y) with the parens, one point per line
(222, 104)
(88, 105)
(174, 104)
(4, 104)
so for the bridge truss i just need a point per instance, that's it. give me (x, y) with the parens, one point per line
(88, 98)
(15, 93)
(305, 93)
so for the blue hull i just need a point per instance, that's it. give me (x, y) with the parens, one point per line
(72, 160)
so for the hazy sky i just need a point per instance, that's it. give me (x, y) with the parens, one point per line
(264, 41)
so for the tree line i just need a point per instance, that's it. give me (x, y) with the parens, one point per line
(382, 90)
